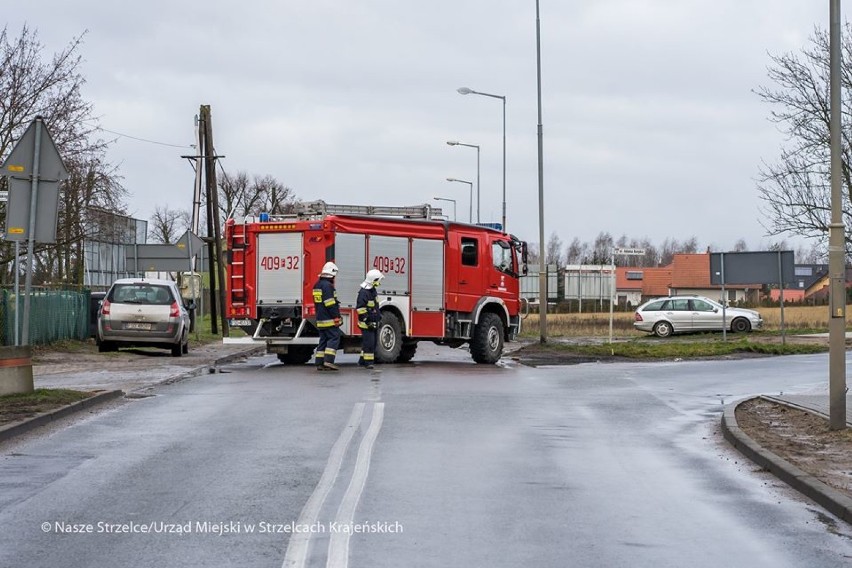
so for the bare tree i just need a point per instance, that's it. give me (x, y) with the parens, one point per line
(264, 194)
(795, 189)
(277, 198)
(233, 189)
(553, 252)
(740, 245)
(30, 86)
(601, 249)
(168, 225)
(575, 252)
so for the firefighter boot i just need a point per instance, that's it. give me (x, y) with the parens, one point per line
(328, 362)
(319, 363)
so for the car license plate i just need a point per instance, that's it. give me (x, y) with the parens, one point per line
(240, 323)
(139, 326)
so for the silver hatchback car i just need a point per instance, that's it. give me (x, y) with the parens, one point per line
(144, 312)
(682, 314)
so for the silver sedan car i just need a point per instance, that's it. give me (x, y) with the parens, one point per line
(144, 313)
(683, 314)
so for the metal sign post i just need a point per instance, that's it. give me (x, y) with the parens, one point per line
(612, 291)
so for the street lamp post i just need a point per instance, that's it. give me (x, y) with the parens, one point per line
(448, 199)
(454, 143)
(470, 183)
(466, 91)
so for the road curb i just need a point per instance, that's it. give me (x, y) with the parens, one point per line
(208, 368)
(832, 500)
(18, 428)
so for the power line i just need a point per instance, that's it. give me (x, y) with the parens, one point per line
(143, 139)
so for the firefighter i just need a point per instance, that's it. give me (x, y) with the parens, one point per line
(328, 318)
(369, 316)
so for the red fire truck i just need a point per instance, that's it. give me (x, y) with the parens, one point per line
(446, 282)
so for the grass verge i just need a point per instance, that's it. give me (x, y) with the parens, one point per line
(671, 350)
(14, 407)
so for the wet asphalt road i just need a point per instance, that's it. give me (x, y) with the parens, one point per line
(444, 463)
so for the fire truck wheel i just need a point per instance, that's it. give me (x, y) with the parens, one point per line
(388, 339)
(407, 352)
(296, 355)
(486, 345)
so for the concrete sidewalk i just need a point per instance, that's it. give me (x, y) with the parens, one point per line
(131, 370)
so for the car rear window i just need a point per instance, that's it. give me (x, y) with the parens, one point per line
(140, 294)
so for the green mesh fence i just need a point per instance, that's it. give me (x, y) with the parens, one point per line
(54, 315)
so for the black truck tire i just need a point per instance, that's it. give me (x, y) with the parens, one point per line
(388, 338)
(486, 345)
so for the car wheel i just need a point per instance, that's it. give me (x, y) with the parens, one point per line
(185, 348)
(741, 325)
(663, 329)
(106, 347)
(388, 338)
(486, 345)
(177, 350)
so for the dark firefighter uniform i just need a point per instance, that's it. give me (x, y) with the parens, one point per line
(369, 316)
(328, 322)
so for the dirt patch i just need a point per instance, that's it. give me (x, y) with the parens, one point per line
(14, 408)
(801, 438)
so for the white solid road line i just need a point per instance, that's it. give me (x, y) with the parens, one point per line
(297, 549)
(338, 546)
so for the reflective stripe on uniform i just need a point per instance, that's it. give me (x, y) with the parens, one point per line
(331, 351)
(363, 325)
(362, 310)
(330, 302)
(371, 304)
(368, 356)
(325, 323)
(317, 295)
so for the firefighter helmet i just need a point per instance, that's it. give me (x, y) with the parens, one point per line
(329, 269)
(374, 277)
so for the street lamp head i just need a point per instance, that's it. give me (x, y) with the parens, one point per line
(464, 91)
(452, 179)
(452, 143)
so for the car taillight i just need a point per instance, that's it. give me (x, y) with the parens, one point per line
(175, 311)
(637, 317)
(105, 307)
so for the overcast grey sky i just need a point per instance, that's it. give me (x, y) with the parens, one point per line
(651, 126)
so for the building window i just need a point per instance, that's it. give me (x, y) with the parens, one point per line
(634, 275)
(803, 270)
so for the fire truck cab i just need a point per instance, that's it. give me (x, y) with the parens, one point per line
(446, 282)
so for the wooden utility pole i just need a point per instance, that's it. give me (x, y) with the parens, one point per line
(214, 243)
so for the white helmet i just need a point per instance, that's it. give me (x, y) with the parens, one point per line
(329, 269)
(374, 277)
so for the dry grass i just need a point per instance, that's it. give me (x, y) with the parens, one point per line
(799, 317)
(597, 324)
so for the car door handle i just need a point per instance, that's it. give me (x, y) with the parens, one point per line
(462, 281)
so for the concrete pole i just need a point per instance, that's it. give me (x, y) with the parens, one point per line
(542, 274)
(836, 241)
